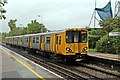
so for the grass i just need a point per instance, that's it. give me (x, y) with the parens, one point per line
(92, 50)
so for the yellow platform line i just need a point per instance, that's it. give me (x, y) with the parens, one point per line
(28, 67)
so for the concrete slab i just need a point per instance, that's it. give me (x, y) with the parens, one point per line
(11, 68)
(104, 55)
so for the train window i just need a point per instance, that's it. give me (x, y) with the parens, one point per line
(76, 36)
(33, 39)
(57, 40)
(47, 40)
(84, 36)
(68, 36)
(37, 39)
(27, 39)
(60, 40)
(21, 39)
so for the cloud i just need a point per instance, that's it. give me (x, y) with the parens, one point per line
(56, 14)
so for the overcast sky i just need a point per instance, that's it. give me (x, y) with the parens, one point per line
(56, 14)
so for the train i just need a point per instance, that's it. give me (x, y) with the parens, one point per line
(62, 45)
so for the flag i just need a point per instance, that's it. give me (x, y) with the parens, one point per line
(105, 12)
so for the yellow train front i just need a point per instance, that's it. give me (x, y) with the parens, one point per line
(66, 45)
(76, 44)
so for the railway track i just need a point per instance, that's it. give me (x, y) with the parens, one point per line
(65, 72)
(100, 69)
(79, 72)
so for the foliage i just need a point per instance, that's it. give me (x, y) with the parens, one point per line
(94, 36)
(3, 35)
(12, 24)
(35, 27)
(110, 23)
(112, 47)
(18, 31)
(2, 3)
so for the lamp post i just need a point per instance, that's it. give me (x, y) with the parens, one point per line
(39, 16)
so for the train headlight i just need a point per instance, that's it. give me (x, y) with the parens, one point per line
(68, 49)
(84, 49)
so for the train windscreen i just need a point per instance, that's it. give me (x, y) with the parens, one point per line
(76, 36)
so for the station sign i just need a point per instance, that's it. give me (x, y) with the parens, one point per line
(114, 34)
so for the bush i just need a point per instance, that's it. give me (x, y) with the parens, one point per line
(112, 47)
(93, 37)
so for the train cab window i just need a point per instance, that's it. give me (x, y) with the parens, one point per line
(68, 37)
(33, 39)
(47, 40)
(76, 36)
(60, 40)
(83, 36)
(72, 36)
(37, 39)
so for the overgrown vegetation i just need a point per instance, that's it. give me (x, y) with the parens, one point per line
(112, 47)
(31, 28)
(98, 38)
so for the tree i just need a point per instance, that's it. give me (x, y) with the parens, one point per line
(114, 47)
(110, 23)
(106, 43)
(35, 27)
(2, 3)
(12, 24)
(3, 35)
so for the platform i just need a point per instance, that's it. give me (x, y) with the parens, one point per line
(16, 66)
(105, 55)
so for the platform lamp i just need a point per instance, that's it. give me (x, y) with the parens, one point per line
(39, 16)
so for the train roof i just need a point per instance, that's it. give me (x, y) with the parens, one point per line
(46, 33)
(14, 36)
(52, 32)
(56, 31)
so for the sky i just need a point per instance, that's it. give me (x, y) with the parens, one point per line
(54, 14)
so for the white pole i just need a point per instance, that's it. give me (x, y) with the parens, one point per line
(95, 15)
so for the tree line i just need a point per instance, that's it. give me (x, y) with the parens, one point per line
(31, 28)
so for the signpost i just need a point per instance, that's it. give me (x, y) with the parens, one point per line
(114, 34)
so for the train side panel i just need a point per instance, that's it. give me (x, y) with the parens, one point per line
(25, 41)
(59, 43)
(47, 42)
(35, 42)
(42, 41)
(20, 41)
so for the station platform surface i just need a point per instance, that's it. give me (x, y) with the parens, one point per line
(105, 55)
(16, 66)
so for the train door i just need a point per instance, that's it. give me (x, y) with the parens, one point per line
(42, 43)
(30, 42)
(58, 43)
